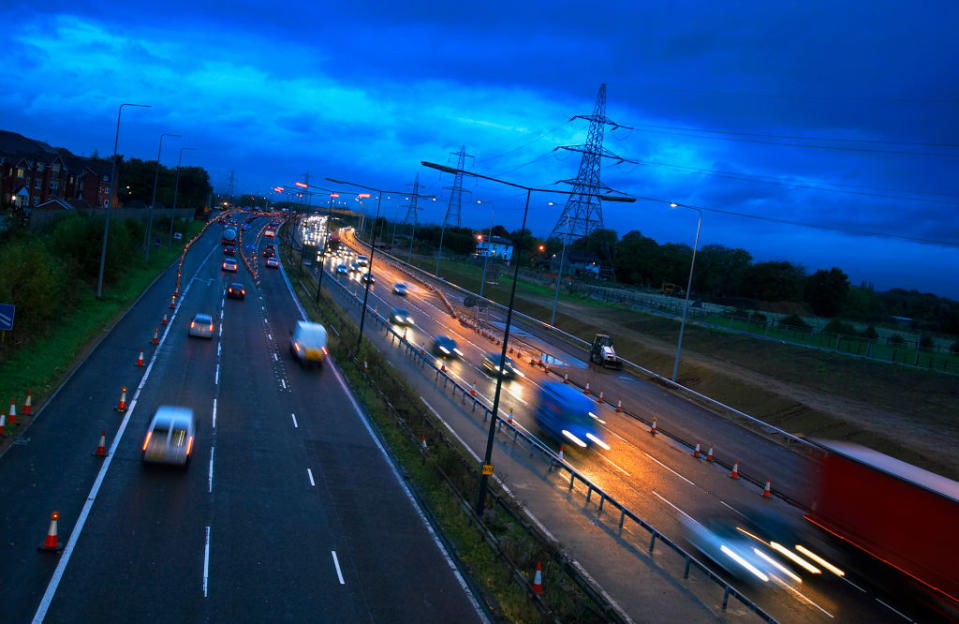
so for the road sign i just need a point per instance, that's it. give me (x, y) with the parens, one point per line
(6, 316)
(487, 470)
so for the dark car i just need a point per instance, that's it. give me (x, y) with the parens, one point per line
(272, 263)
(236, 290)
(491, 364)
(229, 250)
(368, 277)
(444, 346)
(268, 252)
(399, 316)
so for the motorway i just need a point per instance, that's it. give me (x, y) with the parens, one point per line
(288, 511)
(656, 476)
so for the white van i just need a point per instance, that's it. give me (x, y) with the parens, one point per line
(308, 343)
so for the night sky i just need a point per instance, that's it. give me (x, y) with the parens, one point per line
(838, 115)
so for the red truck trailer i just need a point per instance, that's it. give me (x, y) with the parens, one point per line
(900, 514)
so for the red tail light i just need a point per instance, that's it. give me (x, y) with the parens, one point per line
(243, 292)
(211, 326)
(192, 324)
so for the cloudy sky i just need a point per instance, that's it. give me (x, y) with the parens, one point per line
(841, 116)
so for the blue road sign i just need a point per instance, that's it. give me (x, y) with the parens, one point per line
(6, 316)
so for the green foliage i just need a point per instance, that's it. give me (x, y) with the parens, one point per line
(896, 340)
(136, 183)
(863, 304)
(757, 318)
(836, 326)
(720, 271)
(33, 280)
(926, 343)
(794, 321)
(774, 281)
(870, 333)
(826, 291)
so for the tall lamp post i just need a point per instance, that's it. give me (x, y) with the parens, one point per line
(148, 235)
(487, 467)
(689, 284)
(176, 189)
(366, 292)
(113, 188)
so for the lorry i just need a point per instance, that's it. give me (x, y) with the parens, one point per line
(603, 352)
(229, 236)
(897, 513)
(566, 414)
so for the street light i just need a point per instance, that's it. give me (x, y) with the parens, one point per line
(369, 269)
(487, 467)
(176, 188)
(156, 176)
(113, 186)
(559, 278)
(689, 284)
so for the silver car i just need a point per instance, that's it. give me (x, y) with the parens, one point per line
(202, 326)
(169, 438)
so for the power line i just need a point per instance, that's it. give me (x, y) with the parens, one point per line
(791, 96)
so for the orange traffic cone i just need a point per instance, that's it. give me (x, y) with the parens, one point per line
(619, 406)
(600, 399)
(538, 578)
(696, 452)
(735, 473)
(122, 405)
(473, 390)
(560, 452)
(12, 415)
(423, 440)
(140, 359)
(652, 430)
(519, 354)
(586, 389)
(366, 366)
(509, 418)
(443, 365)
(156, 336)
(709, 455)
(50, 544)
(164, 321)
(565, 378)
(768, 489)
(3, 424)
(29, 403)
(102, 446)
(173, 302)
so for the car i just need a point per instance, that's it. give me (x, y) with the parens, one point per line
(202, 326)
(354, 267)
(399, 316)
(491, 364)
(229, 250)
(268, 253)
(368, 277)
(444, 346)
(269, 233)
(308, 343)
(363, 261)
(236, 291)
(400, 289)
(272, 263)
(229, 264)
(169, 438)
(342, 269)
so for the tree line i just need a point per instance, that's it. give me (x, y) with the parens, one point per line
(136, 184)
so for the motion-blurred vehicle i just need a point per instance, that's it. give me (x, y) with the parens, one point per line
(308, 343)
(229, 235)
(400, 316)
(269, 232)
(493, 361)
(236, 290)
(400, 289)
(445, 346)
(354, 267)
(603, 352)
(368, 277)
(169, 438)
(272, 263)
(566, 414)
(363, 261)
(229, 250)
(741, 553)
(229, 264)
(201, 326)
(900, 514)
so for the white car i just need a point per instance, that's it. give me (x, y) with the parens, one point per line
(400, 289)
(169, 438)
(202, 326)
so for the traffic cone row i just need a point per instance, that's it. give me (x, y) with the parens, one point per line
(50, 544)
(600, 399)
(122, 405)
(102, 446)
(560, 452)
(652, 430)
(156, 336)
(509, 418)
(565, 378)
(619, 406)
(473, 390)
(164, 321)
(696, 452)
(3, 423)
(709, 455)
(586, 389)
(140, 359)
(443, 365)
(29, 403)
(12, 414)
(735, 471)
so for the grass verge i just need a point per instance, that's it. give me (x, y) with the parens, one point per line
(499, 550)
(43, 364)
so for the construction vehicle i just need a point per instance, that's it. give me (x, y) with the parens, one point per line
(603, 352)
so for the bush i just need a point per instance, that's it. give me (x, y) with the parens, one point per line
(758, 318)
(870, 333)
(794, 321)
(836, 326)
(739, 315)
(926, 343)
(896, 340)
(33, 280)
(954, 347)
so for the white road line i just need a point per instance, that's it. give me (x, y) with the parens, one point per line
(214, 413)
(221, 315)
(853, 584)
(899, 613)
(212, 449)
(217, 380)
(668, 468)
(270, 336)
(310, 473)
(293, 416)
(51, 590)
(283, 382)
(804, 598)
(614, 465)
(221, 329)
(275, 357)
(336, 564)
(455, 435)
(264, 320)
(206, 560)
(731, 508)
(219, 347)
(662, 498)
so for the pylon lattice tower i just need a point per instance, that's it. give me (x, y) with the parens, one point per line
(584, 212)
(456, 191)
(413, 207)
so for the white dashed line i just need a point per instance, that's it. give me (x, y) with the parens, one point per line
(221, 329)
(206, 560)
(221, 316)
(283, 382)
(293, 416)
(211, 469)
(668, 468)
(219, 347)
(900, 614)
(853, 584)
(264, 320)
(336, 564)
(217, 380)
(731, 508)
(270, 336)
(310, 473)
(214, 413)
(275, 357)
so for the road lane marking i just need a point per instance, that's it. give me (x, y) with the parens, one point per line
(212, 449)
(310, 473)
(731, 508)
(54, 583)
(264, 320)
(270, 336)
(336, 564)
(275, 357)
(283, 381)
(853, 584)
(804, 598)
(662, 498)
(214, 412)
(899, 613)
(668, 468)
(221, 315)
(219, 346)
(615, 465)
(217, 380)
(293, 416)
(206, 560)
(221, 329)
